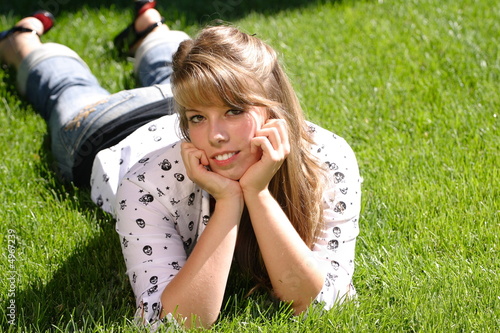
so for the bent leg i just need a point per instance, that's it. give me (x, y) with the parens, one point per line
(153, 58)
(153, 54)
(59, 85)
(57, 82)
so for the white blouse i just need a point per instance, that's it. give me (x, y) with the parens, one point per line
(161, 213)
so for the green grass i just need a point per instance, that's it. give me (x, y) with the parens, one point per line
(414, 88)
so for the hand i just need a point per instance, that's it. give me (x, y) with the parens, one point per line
(196, 162)
(273, 140)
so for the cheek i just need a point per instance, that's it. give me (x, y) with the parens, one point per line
(196, 137)
(248, 128)
(261, 117)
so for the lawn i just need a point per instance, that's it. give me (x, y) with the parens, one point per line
(412, 85)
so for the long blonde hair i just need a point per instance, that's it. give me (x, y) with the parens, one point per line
(225, 65)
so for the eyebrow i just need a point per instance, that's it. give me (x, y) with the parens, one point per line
(225, 107)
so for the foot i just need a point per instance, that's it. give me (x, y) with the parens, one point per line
(21, 40)
(144, 21)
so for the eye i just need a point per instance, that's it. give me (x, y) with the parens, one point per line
(234, 112)
(196, 119)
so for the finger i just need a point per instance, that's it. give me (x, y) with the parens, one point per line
(204, 159)
(278, 136)
(263, 143)
(273, 136)
(186, 145)
(282, 131)
(191, 158)
(281, 126)
(188, 148)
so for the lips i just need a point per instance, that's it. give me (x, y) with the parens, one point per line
(225, 156)
(225, 159)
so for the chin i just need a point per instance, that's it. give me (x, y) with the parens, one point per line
(234, 177)
(231, 175)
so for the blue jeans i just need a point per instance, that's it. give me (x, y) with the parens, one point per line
(63, 90)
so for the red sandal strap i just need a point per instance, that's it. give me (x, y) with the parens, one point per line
(142, 5)
(46, 18)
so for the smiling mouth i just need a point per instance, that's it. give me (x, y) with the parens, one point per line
(224, 157)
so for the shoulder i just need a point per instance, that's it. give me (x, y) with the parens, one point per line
(111, 164)
(337, 158)
(159, 176)
(162, 168)
(329, 148)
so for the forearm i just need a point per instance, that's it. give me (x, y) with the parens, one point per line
(294, 273)
(199, 287)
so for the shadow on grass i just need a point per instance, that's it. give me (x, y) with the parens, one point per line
(192, 11)
(90, 287)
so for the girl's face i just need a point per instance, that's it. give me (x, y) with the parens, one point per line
(224, 134)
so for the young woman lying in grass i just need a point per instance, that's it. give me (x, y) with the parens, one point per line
(210, 164)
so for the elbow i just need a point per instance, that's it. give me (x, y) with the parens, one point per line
(302, 299)
(300, 305)
(298, 308)
(190, 314)
(196, 321)
(206, 322)
(304, 294)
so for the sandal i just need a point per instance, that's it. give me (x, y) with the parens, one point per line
(126, 39)
(43, 16)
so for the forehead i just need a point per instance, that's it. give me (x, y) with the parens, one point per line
(206, 107)
(256, 110)
(192, 94)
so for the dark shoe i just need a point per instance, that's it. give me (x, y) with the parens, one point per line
(126, 39)
(44, 16)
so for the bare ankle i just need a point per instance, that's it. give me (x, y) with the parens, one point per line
(17, 46)
(146, 19)
(31, 23)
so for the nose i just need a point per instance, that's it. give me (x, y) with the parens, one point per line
(217, 133)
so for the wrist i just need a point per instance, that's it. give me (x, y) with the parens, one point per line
(263, 194)
(226, 190)
(235, 200)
